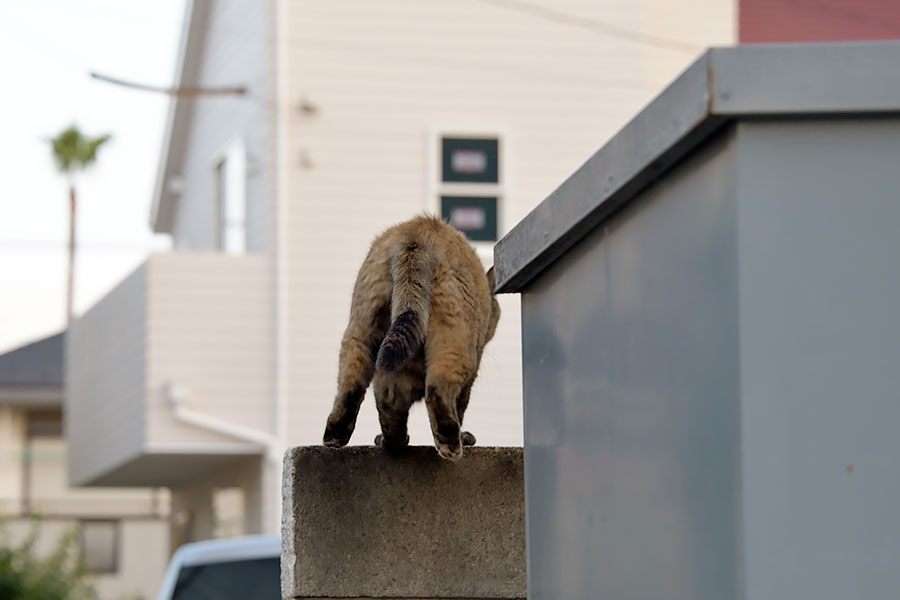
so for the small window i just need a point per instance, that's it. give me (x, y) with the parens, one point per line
(476, 217)
(470, 160)
(468, 182)
(230, 172)
(100, 545)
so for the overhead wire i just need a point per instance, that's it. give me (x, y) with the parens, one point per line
(594, 25)
(590, 24)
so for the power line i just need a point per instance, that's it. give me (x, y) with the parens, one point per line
(173, 91)
(606, 82)
(594, 25)
(460, 63)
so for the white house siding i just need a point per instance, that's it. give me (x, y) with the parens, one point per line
(209, 329)
(143, 557)
(12, 443)
(49, 493)
(235, 52)
(702, 22)
(198, 320)
(383, 76)
(105, 376)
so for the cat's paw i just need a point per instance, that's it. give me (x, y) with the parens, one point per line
(337, 435)
(451, 451)
(467, 438)
(391, 444)
(447, 442)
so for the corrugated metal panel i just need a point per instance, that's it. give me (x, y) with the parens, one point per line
(384, 75)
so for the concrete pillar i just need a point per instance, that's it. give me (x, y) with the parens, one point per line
(360, 523)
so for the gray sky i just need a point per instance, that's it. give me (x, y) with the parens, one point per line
(47, 48)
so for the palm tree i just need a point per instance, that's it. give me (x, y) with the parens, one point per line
(73, 152)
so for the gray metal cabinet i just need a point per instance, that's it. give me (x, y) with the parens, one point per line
(711, 339)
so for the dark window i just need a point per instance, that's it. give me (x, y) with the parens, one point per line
(474, 216)
(259, 579)
(45, 423)
(100, 545)
(470, 160)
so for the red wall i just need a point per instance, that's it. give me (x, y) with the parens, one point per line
(818, 20)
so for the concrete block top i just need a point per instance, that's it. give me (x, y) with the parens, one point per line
(361, 523)
(758, 81)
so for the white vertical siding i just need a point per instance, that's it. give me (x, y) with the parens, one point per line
(235, 52)
(210, 329)
(385, 74)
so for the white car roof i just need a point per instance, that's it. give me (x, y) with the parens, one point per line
(226, 550)
(218, 551)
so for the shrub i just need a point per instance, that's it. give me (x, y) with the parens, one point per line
(59, 575)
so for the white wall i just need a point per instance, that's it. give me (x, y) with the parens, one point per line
(201, 321)
(209, 329)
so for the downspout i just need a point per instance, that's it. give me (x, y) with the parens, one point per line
(177, 394)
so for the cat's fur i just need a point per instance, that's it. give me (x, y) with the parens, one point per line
(422, 311)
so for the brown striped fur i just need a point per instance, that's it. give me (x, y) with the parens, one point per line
(421, 314)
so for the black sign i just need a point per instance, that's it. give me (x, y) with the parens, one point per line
(470, 160)
(476, 217)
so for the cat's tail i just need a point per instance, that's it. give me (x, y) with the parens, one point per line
(412, 269)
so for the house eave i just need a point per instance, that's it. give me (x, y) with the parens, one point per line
(165, 200)
(169, 465)
(31, 396)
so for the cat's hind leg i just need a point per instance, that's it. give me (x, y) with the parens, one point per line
(462, 402)
(342, 420)
(451, 364)
(370, 317)
(439, 400)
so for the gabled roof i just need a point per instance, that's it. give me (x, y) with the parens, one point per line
(33, 374)
(193, 33)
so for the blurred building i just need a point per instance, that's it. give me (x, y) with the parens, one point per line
(202, 366)
(123, 533)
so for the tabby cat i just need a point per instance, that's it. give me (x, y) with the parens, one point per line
(422, 311)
